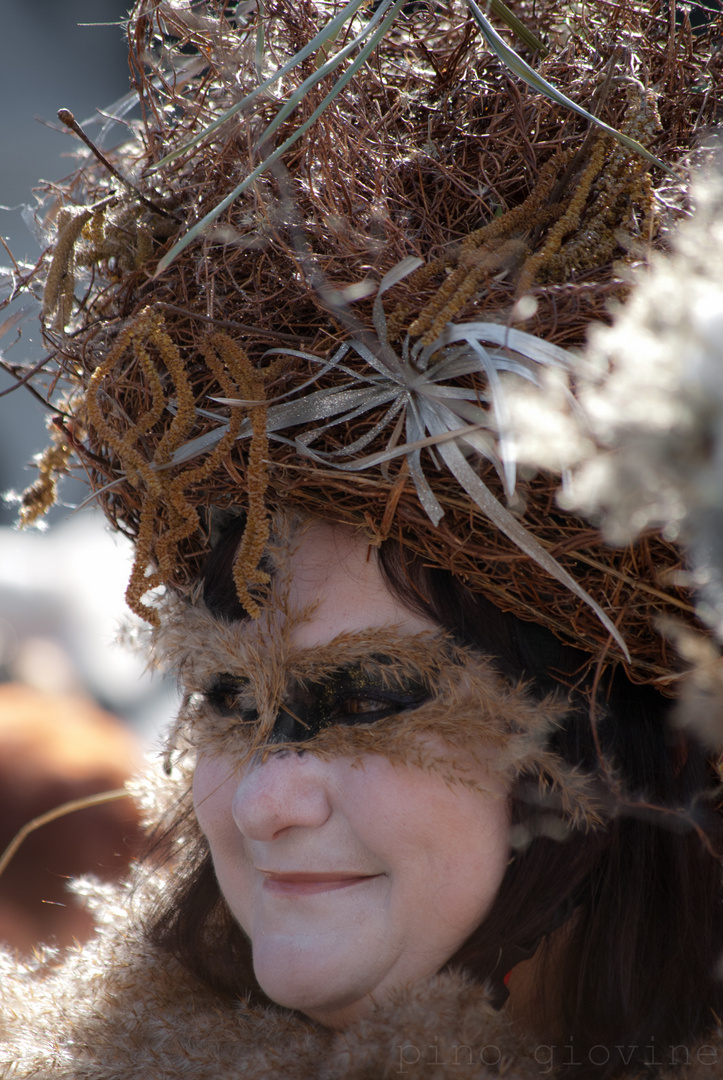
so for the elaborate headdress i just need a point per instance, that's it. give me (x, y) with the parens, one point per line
(398, 231)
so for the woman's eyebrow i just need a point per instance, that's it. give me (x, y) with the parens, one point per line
(387, 670)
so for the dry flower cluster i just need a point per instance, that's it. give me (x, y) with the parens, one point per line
(654, 405)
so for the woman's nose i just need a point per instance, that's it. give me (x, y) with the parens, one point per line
(287, 790)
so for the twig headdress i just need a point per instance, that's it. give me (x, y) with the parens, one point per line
(396, 232)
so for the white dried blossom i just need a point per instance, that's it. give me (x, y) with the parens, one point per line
(656, 411)
(549, 430)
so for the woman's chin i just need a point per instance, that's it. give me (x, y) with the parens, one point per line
(326, 990)
(323, 1004)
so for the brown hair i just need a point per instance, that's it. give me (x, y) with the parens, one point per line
(640, 898)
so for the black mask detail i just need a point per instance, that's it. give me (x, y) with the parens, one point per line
(347, 696)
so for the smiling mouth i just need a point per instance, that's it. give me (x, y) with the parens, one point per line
(304, 884)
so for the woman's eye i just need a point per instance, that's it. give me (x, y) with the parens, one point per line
(359, 706)
(223, 696)
(366, 708)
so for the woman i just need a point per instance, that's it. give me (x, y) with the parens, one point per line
(423, 761)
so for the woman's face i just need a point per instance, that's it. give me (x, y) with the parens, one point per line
(351, 877)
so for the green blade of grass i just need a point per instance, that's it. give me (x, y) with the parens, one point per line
(503, 12)
(519, 67)
(325, 69)
(259, 53)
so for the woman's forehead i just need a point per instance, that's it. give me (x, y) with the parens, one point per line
(327, 606)
(335, 586)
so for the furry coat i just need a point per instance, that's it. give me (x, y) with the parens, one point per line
(118, 1009)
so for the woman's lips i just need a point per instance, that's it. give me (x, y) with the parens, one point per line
(303, 884)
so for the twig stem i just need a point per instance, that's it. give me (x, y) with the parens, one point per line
(66, 117)
(57, 812)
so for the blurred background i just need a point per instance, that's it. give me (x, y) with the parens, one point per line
(77, 711)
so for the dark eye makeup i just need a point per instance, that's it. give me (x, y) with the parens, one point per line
(223, 696)
(346, 697)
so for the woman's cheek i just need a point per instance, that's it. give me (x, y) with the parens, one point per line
(213, 788)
